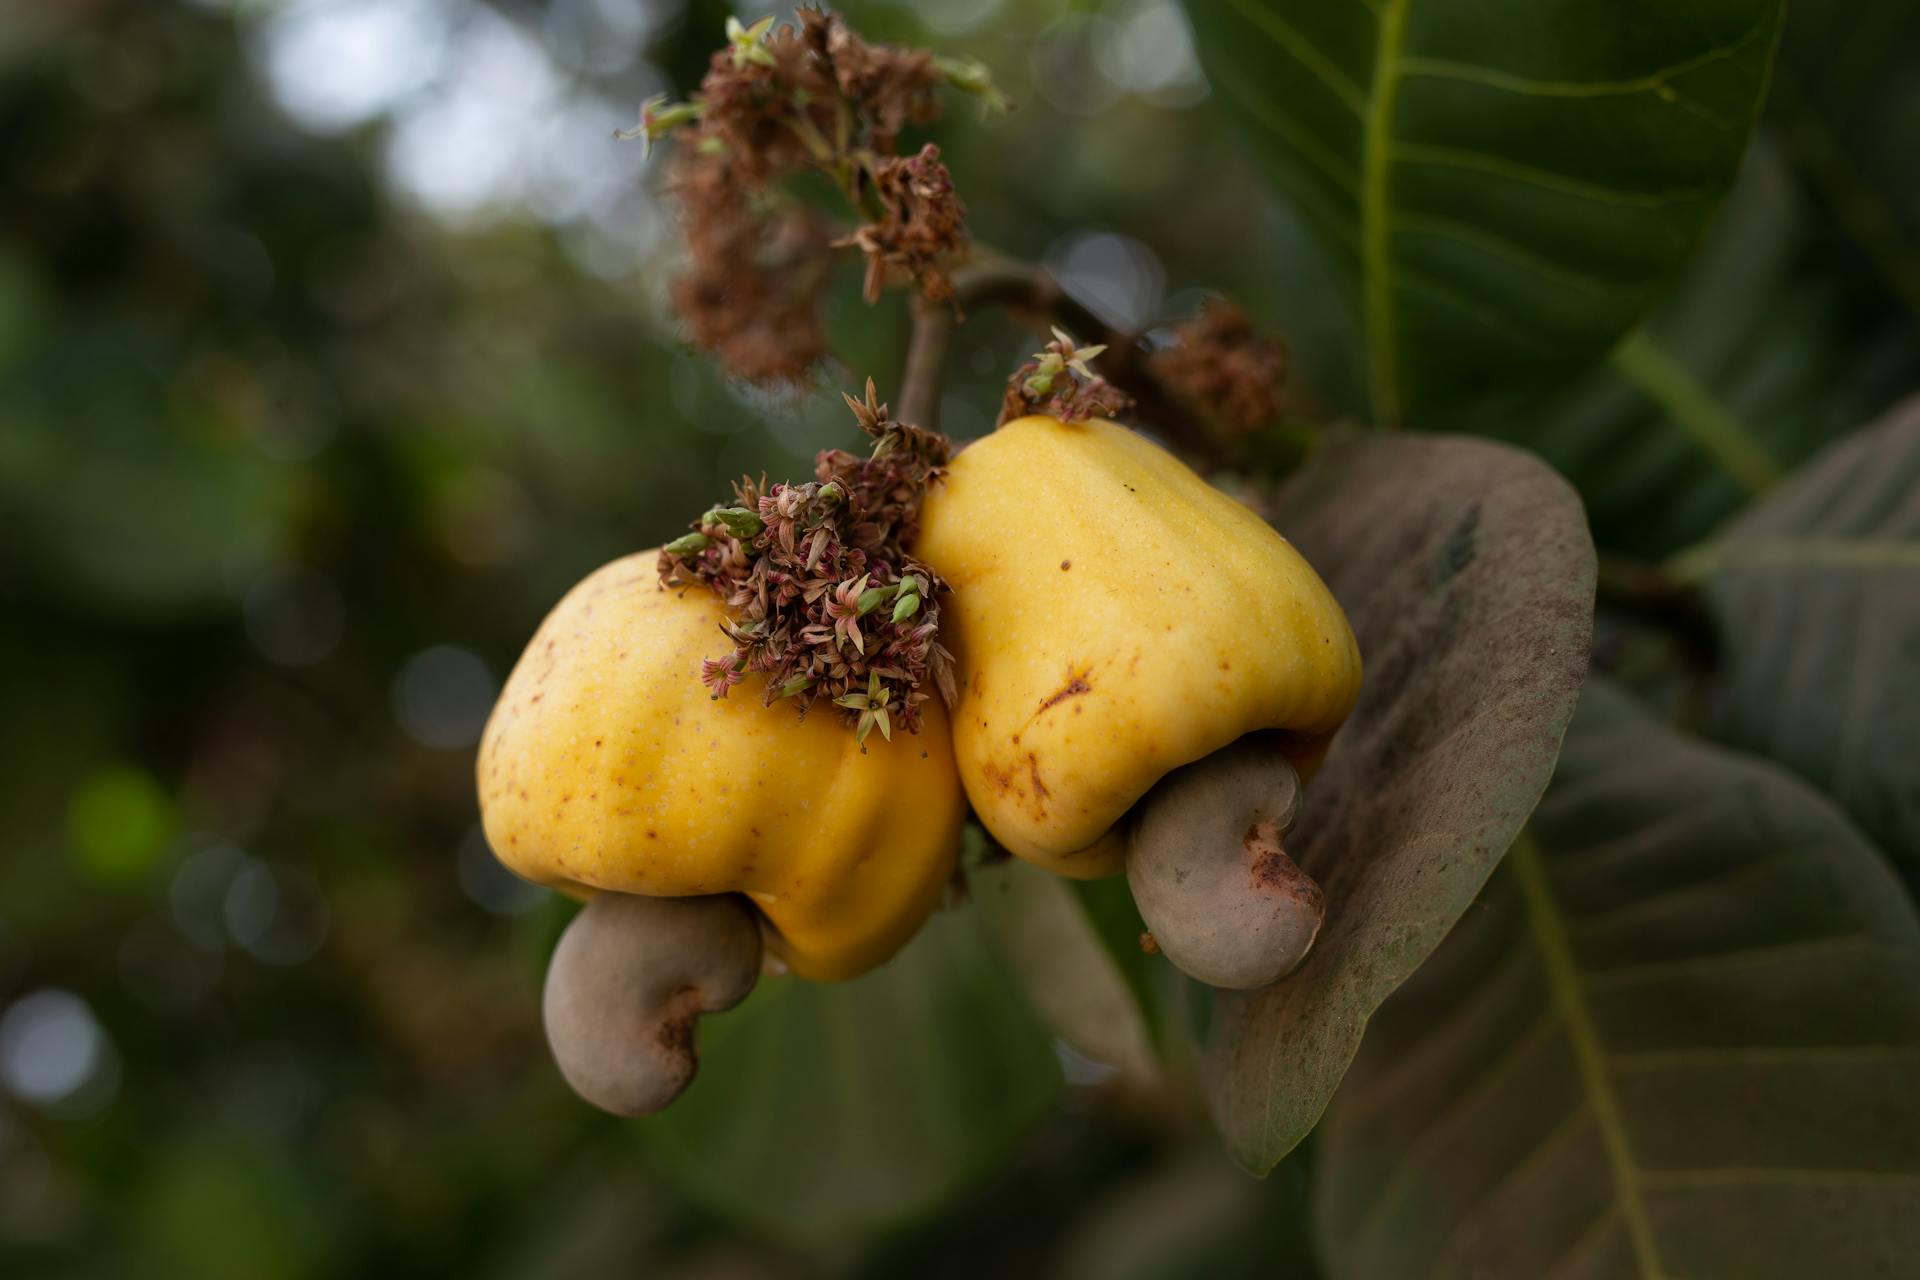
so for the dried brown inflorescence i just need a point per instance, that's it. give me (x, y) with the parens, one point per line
(775, 102)
(922, 225)
(1227, 368)
(825, 600)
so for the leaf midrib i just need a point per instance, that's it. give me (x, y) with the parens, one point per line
(1785, 554)
(1569, 999)
(1712, 427)
(1376, 238)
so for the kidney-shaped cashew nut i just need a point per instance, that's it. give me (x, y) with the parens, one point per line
(1204, 860)
(629, 980)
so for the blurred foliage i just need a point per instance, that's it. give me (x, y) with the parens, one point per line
(289, 452)
(332, 349)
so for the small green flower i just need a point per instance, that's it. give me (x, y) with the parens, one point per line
(906, 605)
(970, 75)
(872, 706)
(874, 597)
(748, 43)
(688, 543)
(738, 521)
(658, 118)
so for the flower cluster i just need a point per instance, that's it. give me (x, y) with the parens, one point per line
(921, 225)
(1060, 382)
(1225, 367)
(824, 600)
(777, 101)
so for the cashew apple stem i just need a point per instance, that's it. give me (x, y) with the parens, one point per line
(1209, 871)
(628, 983)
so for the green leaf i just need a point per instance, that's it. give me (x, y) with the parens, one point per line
(1678, 1036)
(1817, 590)
(1190, 1215)
(1508, 185)
(1843, 93)
(829, 1111)
(1064, 968)
(1467, 573)
(1742, 372)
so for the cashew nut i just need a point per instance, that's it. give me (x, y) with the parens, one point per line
(629, 980)
(1205, 862)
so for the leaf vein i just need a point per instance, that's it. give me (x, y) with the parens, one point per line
(1673, 389)
(1568, 1127)
(1570, 1001)
(1512, 250)
(1304, 52)
(1376, 239)
(1651, 82)
(1788, 553)
(1655, 970)
(1293, 133)
(1547, 179)
(1510, 1058)
(1770, 1055)
(1760, 1176)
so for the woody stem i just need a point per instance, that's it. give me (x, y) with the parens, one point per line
(1029, 293)
(926, 372)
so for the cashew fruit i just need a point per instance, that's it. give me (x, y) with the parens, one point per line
(607, 766)
(1114, 617)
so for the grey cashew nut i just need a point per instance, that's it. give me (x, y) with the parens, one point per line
(1204, 860)
(629, 980)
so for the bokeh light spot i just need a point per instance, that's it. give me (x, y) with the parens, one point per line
(335, 64)
(442, 695)
(50, 1046)
(1117, 277)
(118, 821)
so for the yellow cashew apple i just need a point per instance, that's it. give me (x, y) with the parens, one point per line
(607, 766)
(1112, 618)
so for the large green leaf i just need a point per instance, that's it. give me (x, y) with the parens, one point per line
(827, 1111)
(1509, 183)
(1748, 366)
(1818, 593)
(1467, 572)
(1069, 978)
(1679, 1036)
(1844, 92)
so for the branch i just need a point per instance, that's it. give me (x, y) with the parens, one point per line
(1029, 293)
(926, 371)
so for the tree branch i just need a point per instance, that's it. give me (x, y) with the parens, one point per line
(926, 371)
(1030, 294)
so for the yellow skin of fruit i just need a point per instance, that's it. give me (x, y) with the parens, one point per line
(1114, 617)
(606, 765)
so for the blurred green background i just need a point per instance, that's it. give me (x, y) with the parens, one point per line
(332, 350)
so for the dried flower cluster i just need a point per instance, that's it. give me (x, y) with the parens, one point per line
(777, 101)
(1225, 367)
(1060, 382)
(824, 599)
(922, 223)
